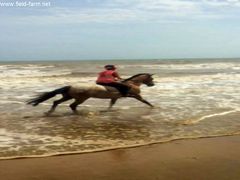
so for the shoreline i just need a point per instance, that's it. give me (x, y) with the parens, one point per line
(202, 158)
(114, 148)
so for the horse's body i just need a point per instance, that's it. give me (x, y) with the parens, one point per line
(83, 92)
(94, 91)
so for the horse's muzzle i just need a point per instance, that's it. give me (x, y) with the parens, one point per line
(150, 84)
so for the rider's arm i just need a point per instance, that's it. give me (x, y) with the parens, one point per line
(116, 76)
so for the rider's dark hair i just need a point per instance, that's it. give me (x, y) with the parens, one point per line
(110, 67)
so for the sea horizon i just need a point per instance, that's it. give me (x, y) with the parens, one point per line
(123, 59)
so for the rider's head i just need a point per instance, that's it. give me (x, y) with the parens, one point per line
(110, 67)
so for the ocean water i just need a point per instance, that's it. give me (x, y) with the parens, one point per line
(192, 99)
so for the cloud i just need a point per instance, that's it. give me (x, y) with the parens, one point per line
(114, 11)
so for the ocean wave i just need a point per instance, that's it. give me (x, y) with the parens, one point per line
(30, 70)
(32, 73)
(193, 66)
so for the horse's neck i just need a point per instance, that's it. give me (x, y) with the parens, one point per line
(134, 81)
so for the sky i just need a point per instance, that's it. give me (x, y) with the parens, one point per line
(119, 29)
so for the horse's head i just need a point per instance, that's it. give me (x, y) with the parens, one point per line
(148, 80)
(144, 78)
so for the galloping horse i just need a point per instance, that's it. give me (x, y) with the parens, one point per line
(84, 92)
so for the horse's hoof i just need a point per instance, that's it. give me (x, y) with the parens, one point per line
(47, 113)
(75, 112)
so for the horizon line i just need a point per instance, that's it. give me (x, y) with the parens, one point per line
(118, 59)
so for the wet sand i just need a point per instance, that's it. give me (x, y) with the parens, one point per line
(209, 158)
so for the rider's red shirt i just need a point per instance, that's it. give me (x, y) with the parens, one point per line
(107, 76)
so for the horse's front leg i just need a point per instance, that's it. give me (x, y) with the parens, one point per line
(112, 102)
(138, 97)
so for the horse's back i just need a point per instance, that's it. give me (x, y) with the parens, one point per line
(92, 90)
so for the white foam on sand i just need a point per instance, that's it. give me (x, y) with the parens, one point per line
(194, 121)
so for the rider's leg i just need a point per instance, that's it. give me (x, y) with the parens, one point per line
(123, 88)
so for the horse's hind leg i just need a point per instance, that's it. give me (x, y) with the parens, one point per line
(55, 103)
(74, 105)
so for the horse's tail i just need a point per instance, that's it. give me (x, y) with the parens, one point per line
(47, 95)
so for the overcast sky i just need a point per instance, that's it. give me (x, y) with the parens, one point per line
(119, 29)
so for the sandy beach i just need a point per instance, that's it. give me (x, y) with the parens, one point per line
(207, 158)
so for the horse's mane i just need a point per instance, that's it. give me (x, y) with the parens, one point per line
(135, 76)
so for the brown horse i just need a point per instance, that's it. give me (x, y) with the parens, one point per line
(84, 92)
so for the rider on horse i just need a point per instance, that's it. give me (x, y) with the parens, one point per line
(106, 78)
(110, 77)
